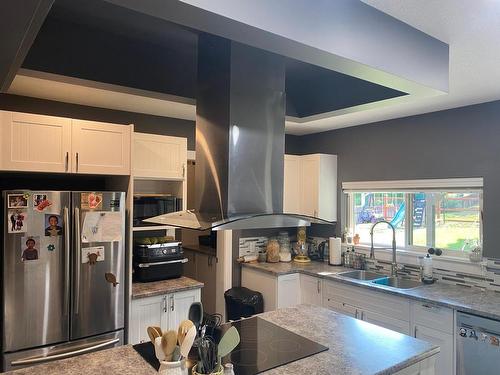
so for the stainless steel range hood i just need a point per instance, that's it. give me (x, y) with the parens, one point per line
(240, 141)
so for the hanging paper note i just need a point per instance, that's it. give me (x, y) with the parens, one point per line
(99, 226)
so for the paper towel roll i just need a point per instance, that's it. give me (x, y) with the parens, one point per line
(335, 249)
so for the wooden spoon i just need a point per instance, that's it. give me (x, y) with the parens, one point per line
(187, 342)
(168, 343)
(153, 333)
(184, 328)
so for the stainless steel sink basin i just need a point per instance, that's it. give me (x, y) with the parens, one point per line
(361, 275)
(398, 282)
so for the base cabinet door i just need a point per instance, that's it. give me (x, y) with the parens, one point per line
(444, 359)
(146, 312)
(179, 304)
(288, 293)
(310, 290)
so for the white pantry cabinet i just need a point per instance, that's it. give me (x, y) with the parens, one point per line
(101, 148)
(165, 311)
(36, 143)
(159, 156)
(310, 185)
(39, 143)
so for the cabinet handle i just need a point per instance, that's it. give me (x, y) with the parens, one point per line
(66, 161)
(319, 286)
(164, 304)
(356, 314)
(183, 170)
(362, 315)
(172, 305)
(77, 162)
(415, 332)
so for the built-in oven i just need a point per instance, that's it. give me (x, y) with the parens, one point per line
(478, 345)
(150, 205)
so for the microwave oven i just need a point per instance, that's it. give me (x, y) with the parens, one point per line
(146, 206)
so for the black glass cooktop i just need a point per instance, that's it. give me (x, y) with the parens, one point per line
(265, 345)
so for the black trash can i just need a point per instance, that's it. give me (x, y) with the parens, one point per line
(243, 302)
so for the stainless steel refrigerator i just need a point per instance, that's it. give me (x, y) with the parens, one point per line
(63, 260)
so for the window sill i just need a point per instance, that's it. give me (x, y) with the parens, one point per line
(417, 254)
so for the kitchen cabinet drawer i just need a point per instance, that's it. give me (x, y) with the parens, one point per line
(370, 300)
(433, 316)
(341, 307)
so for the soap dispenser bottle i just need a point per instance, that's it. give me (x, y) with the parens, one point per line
(427, 271)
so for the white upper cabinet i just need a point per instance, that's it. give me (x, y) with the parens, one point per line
(310, 185)
(41, 143)
(34, 142)
(101, 148)
(291, 184)
(158, 156)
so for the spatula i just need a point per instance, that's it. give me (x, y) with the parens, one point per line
(195, 314)
(153, 333)
(184, 328)
(187, 342)
(227, 343)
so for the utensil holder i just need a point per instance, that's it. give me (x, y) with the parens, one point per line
(220, 372)
(173, 368)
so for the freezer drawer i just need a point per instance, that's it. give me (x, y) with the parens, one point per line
(32, 357)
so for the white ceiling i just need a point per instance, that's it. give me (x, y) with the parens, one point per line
(470, 27)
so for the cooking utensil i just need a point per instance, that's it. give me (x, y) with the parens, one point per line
(188, 341)
(196, 314)
(160, 355)
(183, 329)
(207, 352)
(168, 343)
(153, 333)
(227, 343)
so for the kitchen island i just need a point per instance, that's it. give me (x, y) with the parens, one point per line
(355, 347)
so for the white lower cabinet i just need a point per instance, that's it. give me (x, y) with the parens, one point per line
(165, 311)
(310, 290)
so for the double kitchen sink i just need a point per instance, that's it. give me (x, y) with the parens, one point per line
(375, 278)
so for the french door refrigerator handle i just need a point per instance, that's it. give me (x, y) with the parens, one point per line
(78, 252)
(27, 361)
(67, 244)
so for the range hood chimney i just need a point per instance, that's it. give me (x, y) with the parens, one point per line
(240, 140)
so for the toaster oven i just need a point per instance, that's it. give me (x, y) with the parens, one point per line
(158, 262)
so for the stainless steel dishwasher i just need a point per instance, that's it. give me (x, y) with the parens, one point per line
(478, 345)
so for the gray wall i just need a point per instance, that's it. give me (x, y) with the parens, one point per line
(142, 122)
(462, 142)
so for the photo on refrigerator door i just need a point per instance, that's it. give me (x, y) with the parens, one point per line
(41, 202)
(30, 248)
(17, 201)
(17, 221)
(53, 225)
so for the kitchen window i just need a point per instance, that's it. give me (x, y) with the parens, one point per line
(445, 214)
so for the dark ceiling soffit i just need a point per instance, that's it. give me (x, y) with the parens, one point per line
(20, 21)
(347, 36)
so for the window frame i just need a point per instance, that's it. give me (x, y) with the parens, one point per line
(408, 187)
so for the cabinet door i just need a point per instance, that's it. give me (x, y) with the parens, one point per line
(388, 322)
(189, 269)
(101, 148)
(158, 156)
(179, 304)
(341, 307)
(444, 359)
(291, 184)
(288, 290)
(310, 290)
(146, 312)
(206, 273)
(31, 142)
(309, 182)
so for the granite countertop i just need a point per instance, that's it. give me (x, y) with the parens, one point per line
(157, 288)
(355, 347)
(470, 300)
(120, 360)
